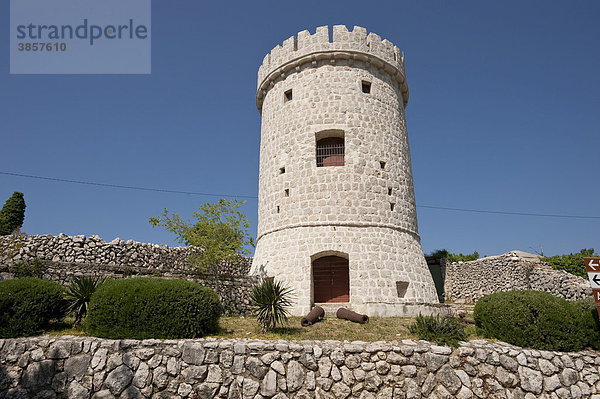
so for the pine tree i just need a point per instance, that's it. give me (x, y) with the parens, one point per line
(12, 214)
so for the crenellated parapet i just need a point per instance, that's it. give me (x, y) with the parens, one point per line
(349, 46)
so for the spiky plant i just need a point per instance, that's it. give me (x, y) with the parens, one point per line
(271, 299)
(443, 330)
(78, 294)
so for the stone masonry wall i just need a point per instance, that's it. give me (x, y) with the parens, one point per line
(466, 282)
(84, 367)
(363, 209)
(65, 256)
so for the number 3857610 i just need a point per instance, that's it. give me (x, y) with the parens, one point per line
(48, 47)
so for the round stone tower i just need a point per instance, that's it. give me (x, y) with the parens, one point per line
(336, 209)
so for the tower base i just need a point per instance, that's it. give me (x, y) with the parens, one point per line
(378, 271)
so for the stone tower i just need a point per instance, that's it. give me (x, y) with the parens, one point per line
(336, 209)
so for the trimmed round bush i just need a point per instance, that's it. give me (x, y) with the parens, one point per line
(531, 319)
(143, 308)
(28, 304)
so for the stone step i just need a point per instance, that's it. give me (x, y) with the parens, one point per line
(331, 308)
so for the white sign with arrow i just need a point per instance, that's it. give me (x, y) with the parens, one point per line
(594, 280)
(592, 266)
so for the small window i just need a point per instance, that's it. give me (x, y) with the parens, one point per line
(282, 170)
(277, 208)
(330, 151)
(401, 288)
(392, 205)
(287, 192)
(382, 164)
(389, 191)
(288, 95)
(366, 87)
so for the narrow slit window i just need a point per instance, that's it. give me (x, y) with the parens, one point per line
(392, 205)
(288, 95)
(366, 87)
(330, 151)
(389, 191)
(277, 208)
(282, 170)
(287, 192)
(382, 164)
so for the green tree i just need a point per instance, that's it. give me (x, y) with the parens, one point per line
(220, 231)
(12, 214)
(572, 263)
(452, 257)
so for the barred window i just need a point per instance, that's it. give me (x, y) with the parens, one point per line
(330, 151)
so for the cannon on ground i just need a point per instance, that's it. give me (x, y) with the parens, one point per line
(314, 316)
(347, 314)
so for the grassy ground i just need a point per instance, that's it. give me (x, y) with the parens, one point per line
(377, 329)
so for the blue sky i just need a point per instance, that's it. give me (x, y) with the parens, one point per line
(503, 115)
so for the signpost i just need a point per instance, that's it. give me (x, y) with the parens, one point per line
(592, 265)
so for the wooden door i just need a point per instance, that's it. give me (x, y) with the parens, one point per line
(331, 279)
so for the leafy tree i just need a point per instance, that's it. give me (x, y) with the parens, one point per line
(452, 257)
(572, 263)
(221, 233)
(12, 214)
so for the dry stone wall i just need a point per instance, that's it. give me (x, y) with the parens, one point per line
(466, 282)
(63, 257)
(94, 250)
(84, 367)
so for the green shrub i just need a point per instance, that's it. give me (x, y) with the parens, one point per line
(532, 319)
(590, 322)
(572, 263)
(32, 268)
(27, 305)
(271, 300)
(152, 308)
(78, 294)
(443, 330)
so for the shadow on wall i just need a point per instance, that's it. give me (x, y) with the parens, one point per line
(39, 379)
(437, 268)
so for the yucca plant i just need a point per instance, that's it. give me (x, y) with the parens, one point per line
(443, 330)
(271, 299)
(78, 294)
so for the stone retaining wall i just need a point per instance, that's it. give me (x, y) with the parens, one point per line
(466, 282)
(85, 367)
(94, 250)
(63, 257)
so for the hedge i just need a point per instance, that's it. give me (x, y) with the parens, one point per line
(143, 308)
(28, 304)
(534, 319)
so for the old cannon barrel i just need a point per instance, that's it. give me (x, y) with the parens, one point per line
(347, 314)
(314, 316)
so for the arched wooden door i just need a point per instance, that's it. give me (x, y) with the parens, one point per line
(331, 279)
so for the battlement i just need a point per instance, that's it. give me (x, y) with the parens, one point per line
(344, 44)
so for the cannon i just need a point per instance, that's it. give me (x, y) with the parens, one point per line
(346, 314)
(314, 316)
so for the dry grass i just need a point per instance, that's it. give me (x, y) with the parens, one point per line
(377, 329)
(64, 327)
